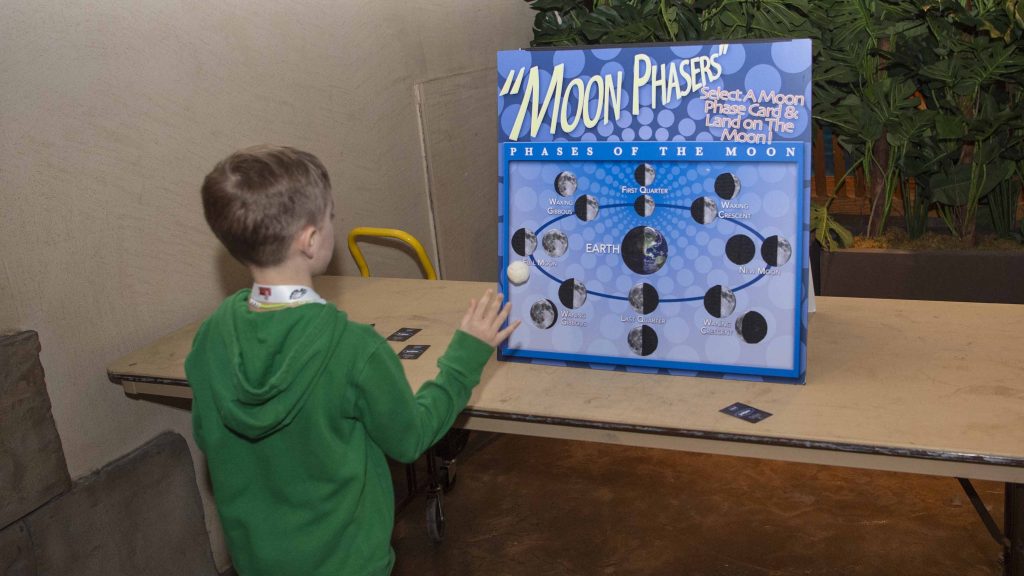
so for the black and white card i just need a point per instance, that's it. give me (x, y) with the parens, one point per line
(745, 412)
(403, 334)
(413, 351)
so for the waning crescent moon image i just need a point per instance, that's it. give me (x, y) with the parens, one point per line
(524, 242)
(644, 205)
(704, 210)
(572, 293)
(752, 327)
(565, 183)
(586, 208)
(719, 301)
(543, 314)
(643, 298)
(642, 340)
(555, 243)
(644, 174)
(727, 186)
(776, 251)
(740, 249)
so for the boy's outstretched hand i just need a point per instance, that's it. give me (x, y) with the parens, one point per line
(485, 317)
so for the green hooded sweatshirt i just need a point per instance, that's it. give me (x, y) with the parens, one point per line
(295, 410)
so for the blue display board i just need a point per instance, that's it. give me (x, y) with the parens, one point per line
(653, 207)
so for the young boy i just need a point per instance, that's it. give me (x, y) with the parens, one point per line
(294, 405)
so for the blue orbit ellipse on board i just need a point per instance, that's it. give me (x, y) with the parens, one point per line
(654, 206)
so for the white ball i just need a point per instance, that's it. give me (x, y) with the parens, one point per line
(518, 272)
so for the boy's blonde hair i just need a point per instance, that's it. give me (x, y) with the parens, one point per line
(258, 198)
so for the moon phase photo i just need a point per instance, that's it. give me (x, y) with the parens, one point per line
(543, 314)
(643, 340)
(719, 301)
(524, 242)
(752, 327)
(572, 293)
(586, 208)
(644, 174)
(776, 251)
(704, 210)
(644, 250)
(643, 298)
(644, 205)
(727, 186)
(555, 243)
(565, 183)
(740, 249)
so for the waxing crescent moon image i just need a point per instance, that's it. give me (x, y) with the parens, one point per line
(565, 183)
(524, 242)
(586, 208)
(644, 205)
(572, 293)
(644, 174)
(752, 327)
(740, 249)
(644, 250)
(643, 298)
(555, 243)
(719, 301)
(776, 251)
(727, 186)
(643, 340)
(704, 210)
(543, 314)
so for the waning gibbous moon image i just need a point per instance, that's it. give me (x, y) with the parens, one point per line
(727, 186)
(644, 205)
(644, 250)
(518, 272)
(555, 243)
(643, 298)
(776, 251)
(644, 174)
(524, 242)
(586, 208)
(704, 210)
(565, 183)
(572, 293)
(752, 327)
(543, 313)
(643, 340)
(740, 249)
(719, 301)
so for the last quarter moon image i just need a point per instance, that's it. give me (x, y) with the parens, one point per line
(586, 208)
(752, 327)
(543, 314)
(704, 210)
(644, 250)
(776, 251)
(727, 186)
(644, 205)
(644, 174)
(719, 301)
(740, 249)
(565, 183)
(572, 293)
(643, 298)
(555, 243)
(524, 242)
(643, 340)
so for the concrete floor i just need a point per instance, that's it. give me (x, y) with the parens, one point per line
(531, 506)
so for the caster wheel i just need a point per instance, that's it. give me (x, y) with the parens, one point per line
(435, 518)
(448, 476)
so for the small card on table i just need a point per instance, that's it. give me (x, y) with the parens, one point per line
(745, 412)
(413, 351)
(403, 334)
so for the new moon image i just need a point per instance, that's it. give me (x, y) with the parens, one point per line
(543, 314)
(565, 183)
(776, 251)
(643, 298)
(704, 210)
(719, 301)
(727, 186)
(524, 242)
(644, 174)
(644, 250)
(643, 340)
(572, 293)
(555, 243)
(752, 327)
(644, 205)
(740, 249)
(586, 208)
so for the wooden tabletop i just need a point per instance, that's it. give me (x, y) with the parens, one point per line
(913, 386)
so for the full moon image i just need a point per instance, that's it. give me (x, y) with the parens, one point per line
(572, 293)
(719, 301)
(644, 250)
(543, 314)
(518, 272)
(740, 249)
(643, 298)
(643, 340)
(565, 183)
(644, 174)
(555, 243)
(586, 208)
(776, 251)
(752, 327)
(644, 205)
(704, 210)
(524, 242)
(727, 186)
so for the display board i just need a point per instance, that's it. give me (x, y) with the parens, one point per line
(653, 207)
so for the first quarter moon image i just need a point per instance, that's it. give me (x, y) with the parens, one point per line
(543, 314)
(643, 340)
(644, 174)
(644, 205)
(644, 250)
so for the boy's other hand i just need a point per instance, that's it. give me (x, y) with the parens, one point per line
(485, 316)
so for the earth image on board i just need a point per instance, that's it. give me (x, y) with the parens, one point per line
(644, 250)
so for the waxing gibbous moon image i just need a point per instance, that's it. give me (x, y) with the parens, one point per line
(644, 250)
(555, 243)
(740, 249)
(719, 301)
(572, 293)
(776, 251)
(643, 298)
(704, 210)
(727, 186)
(518, 272)
(586, 208)
(565, 183)
(642, 340)
(543, 314)
(524, 242)
(752, 327)
(644, 174)
(644, 205)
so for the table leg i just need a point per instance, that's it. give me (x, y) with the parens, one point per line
(1014, 530)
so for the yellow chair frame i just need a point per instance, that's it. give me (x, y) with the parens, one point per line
(394, 234)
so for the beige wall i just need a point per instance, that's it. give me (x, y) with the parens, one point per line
(112, 112)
